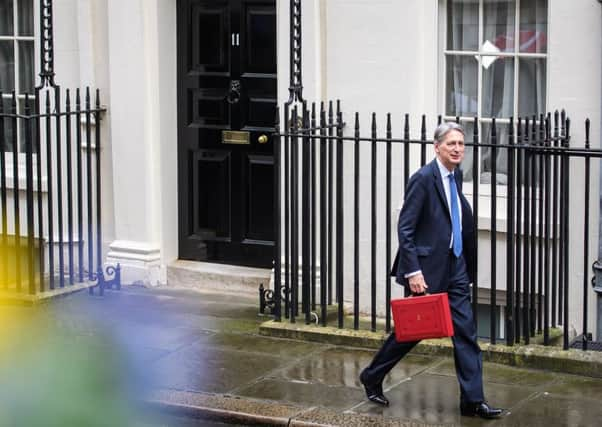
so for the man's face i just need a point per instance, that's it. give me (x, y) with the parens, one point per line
(450, 151)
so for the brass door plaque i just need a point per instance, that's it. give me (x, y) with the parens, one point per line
(236, 137)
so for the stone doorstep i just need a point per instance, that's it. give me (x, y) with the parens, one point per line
(246, 411)
(15, 298)
(537, 356)
(209, 276)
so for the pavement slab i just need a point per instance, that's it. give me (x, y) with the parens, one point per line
(546, 410)
(500, 374)
(575, 387)
(202, 368)
(340, 366)
(303, 393)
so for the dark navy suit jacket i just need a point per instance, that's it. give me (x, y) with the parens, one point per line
(424, 230)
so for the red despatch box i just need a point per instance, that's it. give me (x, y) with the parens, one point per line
(422, 317)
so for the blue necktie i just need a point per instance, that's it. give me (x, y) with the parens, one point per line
(455, 216)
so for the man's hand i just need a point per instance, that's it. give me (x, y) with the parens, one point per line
(417, 284)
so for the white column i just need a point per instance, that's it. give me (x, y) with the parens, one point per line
(142, 121)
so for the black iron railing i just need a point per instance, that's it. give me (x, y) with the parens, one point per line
(52, 237)
(314, 171)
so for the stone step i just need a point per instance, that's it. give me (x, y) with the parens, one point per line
(217, 277)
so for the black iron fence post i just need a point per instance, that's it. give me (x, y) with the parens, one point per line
(305, 217)
(373, 225)
(475, 210)
(565, 220)
(31, 276)
(324, 266)
(294, 217)
(509, 314)
(339, 219)
(555, 219)
(331, 197)
(287, 211)
(16, 187)
(519, 227)
(80, 187)
(546, 236)
(313, 202)
(356, 225)
(277, 219)
(388, 228)
(533, 228)
(59, 186)
(3, 201)
(69, 184)
(97, 145)
(586, 260)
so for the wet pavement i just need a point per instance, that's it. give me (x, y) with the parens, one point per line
(89, 360)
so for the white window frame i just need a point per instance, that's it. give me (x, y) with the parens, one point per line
(485, 189)
(15, 38)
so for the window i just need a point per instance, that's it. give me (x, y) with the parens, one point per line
(17, 65)
(484, 321)
(495, 55)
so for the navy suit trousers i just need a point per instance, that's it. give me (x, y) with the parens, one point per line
(467, 354)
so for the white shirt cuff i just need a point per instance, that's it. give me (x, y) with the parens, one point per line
(413, 273)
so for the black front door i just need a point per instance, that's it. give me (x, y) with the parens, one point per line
(226, 110)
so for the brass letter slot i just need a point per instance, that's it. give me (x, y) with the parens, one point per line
(236, 137)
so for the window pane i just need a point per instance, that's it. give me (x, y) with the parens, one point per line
(6, 18)
(26, 67)
(531, 86)
(25, 16)
(534, 26)
(467, 163)
(462, 82)
(501, 157)
(498, 87)
(463, 25)
(8, 124)
(24, 132)
(499, 21)
(7, 66)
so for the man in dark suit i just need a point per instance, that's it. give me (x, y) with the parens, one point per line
(436, 254)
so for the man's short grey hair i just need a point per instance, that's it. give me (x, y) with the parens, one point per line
(444, 128)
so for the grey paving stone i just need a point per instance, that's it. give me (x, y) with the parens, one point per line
(341, 367)
(549, 410)
(200, 367)
(576, 387)
(303, 393)
(287, 349)
(136, 334)
(501, 374)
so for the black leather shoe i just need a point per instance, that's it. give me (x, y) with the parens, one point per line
(481, 409)
(374, 393)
